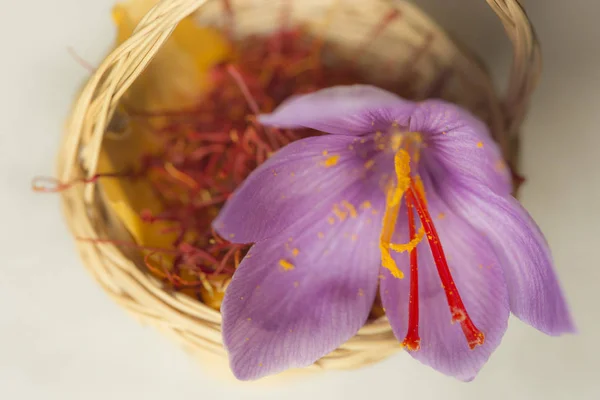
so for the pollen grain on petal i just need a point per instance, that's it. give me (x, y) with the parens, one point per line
(369, 164)
(341, 214)
(351, 209)
(331, 220)
(320, 235)
(366, 205)
(286, 265)
(295, 252)
(480, 144)
(330, 161)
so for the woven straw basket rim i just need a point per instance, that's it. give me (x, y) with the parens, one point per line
(189, 321)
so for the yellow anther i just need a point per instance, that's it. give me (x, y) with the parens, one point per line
(396, 141)
(402, 167)
(350, 209)
(330, 161)
(286, 265)
(392, 207)
(420, 188)
(402, 247)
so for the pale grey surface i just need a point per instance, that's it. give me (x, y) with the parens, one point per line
(62, 338)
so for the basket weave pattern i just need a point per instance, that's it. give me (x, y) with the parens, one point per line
(197, 326)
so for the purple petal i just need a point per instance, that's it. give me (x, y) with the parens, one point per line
(303, 179)
(299, 295)
(343, 110)
(480, 281)
(535, 294)
(459, 145)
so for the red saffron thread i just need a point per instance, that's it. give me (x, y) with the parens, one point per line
(412, 341)
(457, 308)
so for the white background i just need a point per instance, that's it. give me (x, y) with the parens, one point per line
(62, 338)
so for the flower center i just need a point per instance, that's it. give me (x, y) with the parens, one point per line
(411, 188)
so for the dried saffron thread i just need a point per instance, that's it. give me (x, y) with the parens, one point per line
(52, 185)
(459, 313)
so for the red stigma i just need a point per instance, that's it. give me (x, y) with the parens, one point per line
(412, 341)
(459, 313)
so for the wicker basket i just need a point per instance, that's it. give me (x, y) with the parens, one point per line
(192, 323)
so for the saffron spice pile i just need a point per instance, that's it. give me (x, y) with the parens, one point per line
(206, 151)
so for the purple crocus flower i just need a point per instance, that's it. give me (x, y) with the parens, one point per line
(411, 197)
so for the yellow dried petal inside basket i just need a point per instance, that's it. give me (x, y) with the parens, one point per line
(178, 72)
(175, 78)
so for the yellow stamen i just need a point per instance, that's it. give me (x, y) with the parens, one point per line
(392, 207)
(402, 247)
(396, 142)
(420, 188)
